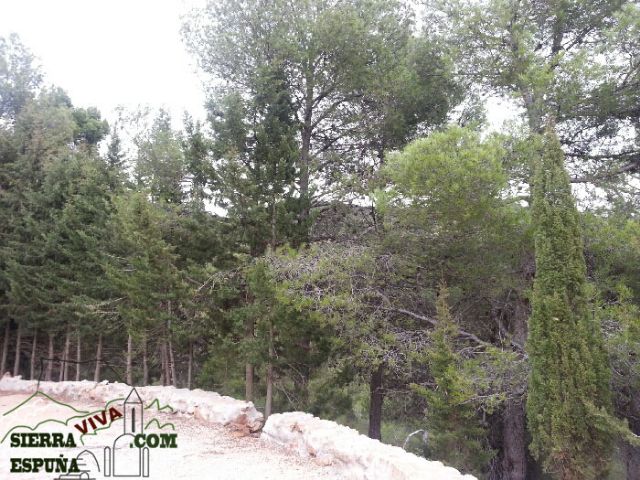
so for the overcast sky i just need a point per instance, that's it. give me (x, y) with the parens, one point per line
(110, 53)
(106, 53)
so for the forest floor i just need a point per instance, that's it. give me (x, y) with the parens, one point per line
(204, 451)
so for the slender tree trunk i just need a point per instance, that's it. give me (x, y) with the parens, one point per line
(163, 378)
(49, 375)
(268, 405)
(129, 360)
(65, 357)
(190, 365)
(61, 368)
(514, 459)
(165, 363)
(16, 362)
(172, 364)
(514, 433)
(248, 382)
(274, 231)
(78, 355)
(5, 347)
(304, 175)
(376, 401)
(96, 373)
(167, 373)
(305, 150)
(145, 362)
(34, 344)
(248, 368)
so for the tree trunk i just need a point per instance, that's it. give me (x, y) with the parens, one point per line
(163, 380)
(145, 362)
(96, 373)
(248, 382)
(305, 153)
(167, 372)
(172, 364)
(376, 400)
(514, 434)
(78, 355)
(268, 405)
(5, 348)
(165, 363)
(16, 362)
(65, 356)
(274, 232)
(49, 374)
(129, 360)
(301, 379)
(34, 344)
(190, 366)
(248, 368)
(514, 459)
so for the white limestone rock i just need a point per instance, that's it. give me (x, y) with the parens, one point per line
(208, 406)
(358, 457)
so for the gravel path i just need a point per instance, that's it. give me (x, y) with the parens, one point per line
(204, 451)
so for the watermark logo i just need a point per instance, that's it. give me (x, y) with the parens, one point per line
(112, 442)
(129, 456)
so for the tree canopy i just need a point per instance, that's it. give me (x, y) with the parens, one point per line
(345, 233)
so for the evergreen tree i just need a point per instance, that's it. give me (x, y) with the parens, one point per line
(569, 370)
(197, 162)
(144, 273)
(455, 434)
(160, 163)
(20, 77)
(115, 154)
(256, 176)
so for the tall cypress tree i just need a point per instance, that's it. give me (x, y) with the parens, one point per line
(569, 371)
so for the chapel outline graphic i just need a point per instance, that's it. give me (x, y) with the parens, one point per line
(132, 461)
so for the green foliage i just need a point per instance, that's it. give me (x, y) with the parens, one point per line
(144, 272)
(573, 60)
(160, 164)
(453, 173)
(90, 128)
(19, 77)
(313, 113)
(455, 434)
(256, 156)
(568, 363)
(299, 340)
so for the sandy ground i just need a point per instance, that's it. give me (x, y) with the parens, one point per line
(204, 451)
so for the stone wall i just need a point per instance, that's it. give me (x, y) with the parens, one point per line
(207, 406)
(354, 456)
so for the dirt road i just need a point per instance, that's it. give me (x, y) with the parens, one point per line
(204, 451)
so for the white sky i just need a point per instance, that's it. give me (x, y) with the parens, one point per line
(110, 53)
(107, 53)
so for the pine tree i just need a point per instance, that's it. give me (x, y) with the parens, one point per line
(256, 175)
(160, 165)
(145, 274)
(455, 433)
(569, 371)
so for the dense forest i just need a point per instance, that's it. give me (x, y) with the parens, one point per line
(344, 235)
